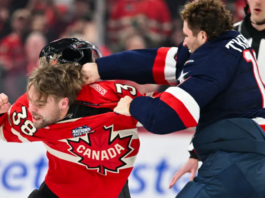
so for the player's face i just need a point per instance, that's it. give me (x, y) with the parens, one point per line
(257, 10)
(190, 41)
(44, 112)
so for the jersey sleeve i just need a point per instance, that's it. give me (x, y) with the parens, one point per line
(3, 117)
(146, 66)
(179, 107)
(16, 125)
(122, 89)
(107, 94)
(192, 151)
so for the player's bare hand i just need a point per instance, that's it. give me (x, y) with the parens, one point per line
(91, 72)
(123, 106)
(190, 166)
(4, 104)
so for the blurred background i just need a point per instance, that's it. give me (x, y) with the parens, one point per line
(26, 26)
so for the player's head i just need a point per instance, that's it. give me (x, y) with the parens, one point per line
(51, 90)
(204, 20)
(69, 50)
(54, 86)
(257, 11)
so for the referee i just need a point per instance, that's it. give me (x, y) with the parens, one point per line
(253, 28)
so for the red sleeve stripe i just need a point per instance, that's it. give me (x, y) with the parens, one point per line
(184, 105)
(263, 127)
(164, 69)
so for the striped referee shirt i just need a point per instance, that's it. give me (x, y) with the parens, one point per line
(256, 40)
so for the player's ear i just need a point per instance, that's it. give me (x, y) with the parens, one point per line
(64, 103)
(203, 36)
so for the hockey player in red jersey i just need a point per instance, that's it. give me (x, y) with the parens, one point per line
(91, 149)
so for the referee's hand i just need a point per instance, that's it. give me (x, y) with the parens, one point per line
(191, 166)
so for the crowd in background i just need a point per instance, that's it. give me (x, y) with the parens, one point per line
(26, 26)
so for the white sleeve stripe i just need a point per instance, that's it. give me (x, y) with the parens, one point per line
(191, 147)
(187, 100)
(129, 162)
(8, 115)
(20, 137)
(62, 155)
(139, 124)
(2, 133)
(125, 133)
(170, 66)
(68, 120)
(259, 120)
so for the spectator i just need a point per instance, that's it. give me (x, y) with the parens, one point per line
(239, 10)
(134, 42)
(39, 23)
(12, 55)
(176, 36)
(80, 21)
(11, 47)
(132, 16)
(48, 17)
(33, 45)
(4, 17)
(80, 10)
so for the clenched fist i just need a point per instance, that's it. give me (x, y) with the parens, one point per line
(91, 72)
(4, 104)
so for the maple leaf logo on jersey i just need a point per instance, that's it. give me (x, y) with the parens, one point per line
(102, 151)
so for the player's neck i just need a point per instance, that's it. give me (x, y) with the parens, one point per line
(257, 27)
(64, 113)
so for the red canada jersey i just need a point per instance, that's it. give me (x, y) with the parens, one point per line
(89, 157)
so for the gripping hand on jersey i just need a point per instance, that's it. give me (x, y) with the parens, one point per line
(123, 106)
(91, 73)
(4, 104)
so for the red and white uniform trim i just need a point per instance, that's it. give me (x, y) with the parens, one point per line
(184, 105)
(164, 69)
